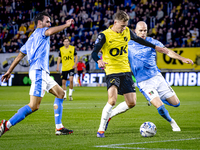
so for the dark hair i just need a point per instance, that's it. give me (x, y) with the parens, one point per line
(121, 16)
(40, 16)
(66, 38)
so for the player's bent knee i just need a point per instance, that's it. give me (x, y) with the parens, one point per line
(177, 105)
(112, 103)
(34, 108)
(61, 94)
(131, 105)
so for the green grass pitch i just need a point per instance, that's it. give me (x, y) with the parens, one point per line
(83, 115)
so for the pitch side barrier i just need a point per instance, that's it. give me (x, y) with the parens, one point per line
(98, 79)
(165, 62)
(22, 79)
(6, 60)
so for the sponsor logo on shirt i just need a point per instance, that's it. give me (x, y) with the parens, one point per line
(151, 93)
(125, 38)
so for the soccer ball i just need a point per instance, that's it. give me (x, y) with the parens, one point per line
(148, 129)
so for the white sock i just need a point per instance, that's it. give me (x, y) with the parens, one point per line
(105, 116)
(70, 92)
(122, 107)
(58, 126)
(65, 94)
(8, 125)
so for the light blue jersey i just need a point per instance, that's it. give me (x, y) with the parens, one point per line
(37, 49)
(143, 59)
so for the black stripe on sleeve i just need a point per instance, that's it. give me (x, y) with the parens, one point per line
(97, 46)
(75, 52)
(140, 40)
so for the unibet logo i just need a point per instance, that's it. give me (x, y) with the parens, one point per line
(183, 78)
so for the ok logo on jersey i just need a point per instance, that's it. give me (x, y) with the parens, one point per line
(67, 57)
(116, 51)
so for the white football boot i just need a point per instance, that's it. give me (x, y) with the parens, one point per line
(174, 125)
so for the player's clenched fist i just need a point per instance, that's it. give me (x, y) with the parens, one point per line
(69, 22)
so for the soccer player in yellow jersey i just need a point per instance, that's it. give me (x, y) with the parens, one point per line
(113, 42)
(67, 54)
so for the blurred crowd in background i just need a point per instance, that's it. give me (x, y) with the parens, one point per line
(175, 23)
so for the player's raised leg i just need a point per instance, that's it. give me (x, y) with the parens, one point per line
(21, 114)
(112, 98)
(130, 102)
(58, 110)
(64, 88)
(172, 101)
(169, 97)
(164, 113)
(71, 87)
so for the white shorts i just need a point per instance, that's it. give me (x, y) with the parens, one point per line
(156, 87)
(40, 82)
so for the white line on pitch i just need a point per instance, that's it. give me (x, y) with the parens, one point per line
(116, 145)
(145, 148)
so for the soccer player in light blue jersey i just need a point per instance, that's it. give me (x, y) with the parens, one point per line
(149, 79)
(37, 49)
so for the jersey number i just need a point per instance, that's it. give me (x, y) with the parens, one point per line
(116, 51)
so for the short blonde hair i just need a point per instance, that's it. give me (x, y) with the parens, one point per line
(121, 16)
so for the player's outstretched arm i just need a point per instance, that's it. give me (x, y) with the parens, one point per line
(57, 29)
(7, 75)
(174, 55)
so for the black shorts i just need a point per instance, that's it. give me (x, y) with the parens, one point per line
(123, 82)
(65, 74)
(79, 72)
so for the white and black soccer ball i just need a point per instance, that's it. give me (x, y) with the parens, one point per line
(148, 129)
